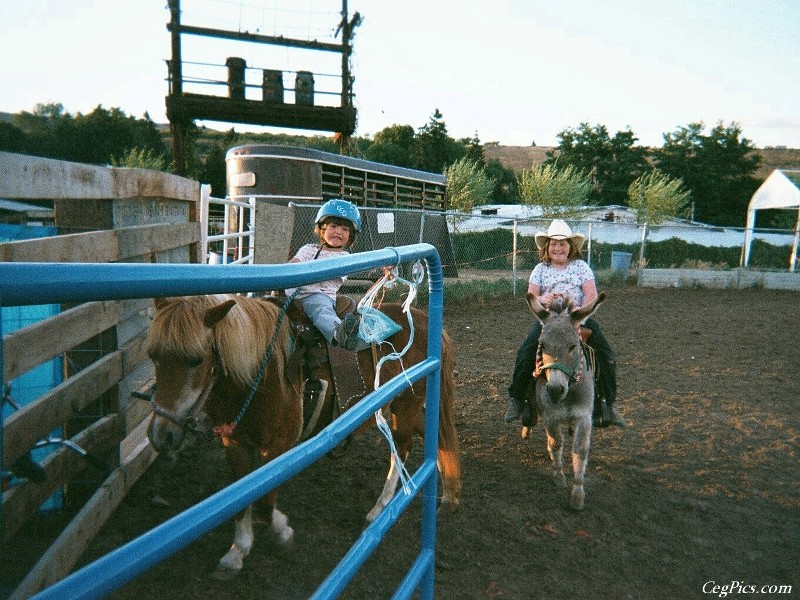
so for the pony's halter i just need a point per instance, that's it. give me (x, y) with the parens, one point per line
(188, 421)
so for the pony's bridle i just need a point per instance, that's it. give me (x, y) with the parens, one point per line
(189, 422)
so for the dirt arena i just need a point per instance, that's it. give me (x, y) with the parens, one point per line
(702, 489)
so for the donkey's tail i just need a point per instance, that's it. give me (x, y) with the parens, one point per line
(448, 457)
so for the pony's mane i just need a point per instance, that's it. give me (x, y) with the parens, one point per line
(241, 337)
(178, 330)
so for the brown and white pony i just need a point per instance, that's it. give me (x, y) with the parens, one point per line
(565, 387)
(208, 351)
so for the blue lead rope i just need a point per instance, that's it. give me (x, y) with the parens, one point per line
(227, 429)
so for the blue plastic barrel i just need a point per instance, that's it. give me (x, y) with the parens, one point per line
(621, 261)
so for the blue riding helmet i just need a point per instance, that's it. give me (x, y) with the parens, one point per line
(342, 209)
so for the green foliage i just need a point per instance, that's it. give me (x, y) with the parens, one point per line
(213, 171)
(473, 248)
(141, 158)
(675, 253)
(95, 138)
(393, 146)
(474, 149)
(467, 184)
(433, 148)
(717, 169)
(12, 138)
(612, 163)
(767, 256)
(656, 197)
(506, 184)
(773, 218)
(559, 191)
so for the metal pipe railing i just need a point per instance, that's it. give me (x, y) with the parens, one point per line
(44, 283)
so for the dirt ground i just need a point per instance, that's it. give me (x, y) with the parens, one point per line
(704, 486)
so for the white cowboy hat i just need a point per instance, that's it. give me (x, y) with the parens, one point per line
(559, 230)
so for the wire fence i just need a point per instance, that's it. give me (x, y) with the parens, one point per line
(481, 246)
(496, 243)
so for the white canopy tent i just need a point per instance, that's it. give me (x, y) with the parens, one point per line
(780, 190)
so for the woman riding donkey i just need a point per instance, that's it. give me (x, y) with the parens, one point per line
(562, 272)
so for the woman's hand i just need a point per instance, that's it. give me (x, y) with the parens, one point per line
(546, 299)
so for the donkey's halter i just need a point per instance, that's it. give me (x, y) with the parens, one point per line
(574, 373)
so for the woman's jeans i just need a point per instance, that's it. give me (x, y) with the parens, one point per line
(526, 357)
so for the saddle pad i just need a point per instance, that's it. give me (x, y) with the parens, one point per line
(348, 381)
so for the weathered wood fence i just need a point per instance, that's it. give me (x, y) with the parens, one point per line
(103, 214)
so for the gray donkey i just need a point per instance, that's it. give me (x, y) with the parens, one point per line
(564, 387)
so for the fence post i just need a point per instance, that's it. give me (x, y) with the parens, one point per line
(589, 247)
(251, 239)
(514, 260)
(641, 255)
(205, 194)
(2, 419)
(793, 259)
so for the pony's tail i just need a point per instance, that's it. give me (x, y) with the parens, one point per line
(449, 459)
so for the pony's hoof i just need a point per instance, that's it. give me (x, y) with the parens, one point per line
(447, 505)
(285, 537)
(560, 479)
(526, 431)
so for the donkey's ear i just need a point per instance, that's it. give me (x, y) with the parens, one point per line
(217, 313)
(539, 311)
(586, 311)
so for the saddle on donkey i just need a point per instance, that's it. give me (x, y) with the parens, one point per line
(602, 415)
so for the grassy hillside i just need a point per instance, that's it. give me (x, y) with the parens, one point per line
(518, 158)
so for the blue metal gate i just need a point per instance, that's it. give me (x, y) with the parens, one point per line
(37, 283)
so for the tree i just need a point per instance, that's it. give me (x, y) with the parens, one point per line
(474, 149)
(433, 148)
(467, 184)
(12, 138)
(557, 190)
(506, 184)
(393, 146)
(213, 171)
(611, 163)
(45, 130)
(141, 158)
(656, 197)
(717, 168)
(97, 138)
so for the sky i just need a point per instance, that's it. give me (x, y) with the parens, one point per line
(516, 72)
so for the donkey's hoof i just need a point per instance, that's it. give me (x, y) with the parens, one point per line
(222, 573)
(560, 479)
(373, 514)
(526, 431)
(578, 496)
